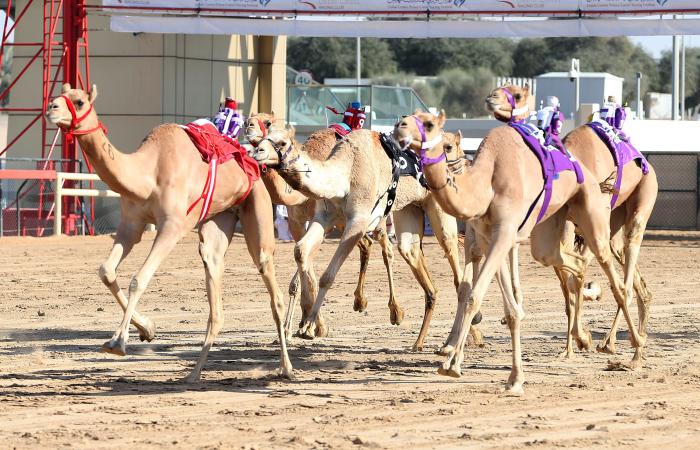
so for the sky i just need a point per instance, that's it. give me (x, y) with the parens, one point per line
(657, 44)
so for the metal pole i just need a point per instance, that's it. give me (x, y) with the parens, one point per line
(675, 66)
(682, 77)
(358, 67)
(640, 113)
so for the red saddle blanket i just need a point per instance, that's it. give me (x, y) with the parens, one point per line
(216, 149)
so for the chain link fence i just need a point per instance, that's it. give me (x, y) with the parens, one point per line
(679, 191)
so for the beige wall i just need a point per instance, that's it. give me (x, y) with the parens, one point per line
(148, 79)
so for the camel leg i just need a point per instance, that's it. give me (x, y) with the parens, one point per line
(256, 218)
(514, 314)
(408, 224)
(445, 228)
(304, 251)
(396, 312)
(168, 235)
(595, 225)
(472, 265)
(365, 246)
(296, 229)
(563, 278)
(503, 238)
(214, 238)
(128, 234)
(355, 227)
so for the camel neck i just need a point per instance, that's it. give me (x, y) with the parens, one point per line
(120, 171)
(466, 195)
(318, 179)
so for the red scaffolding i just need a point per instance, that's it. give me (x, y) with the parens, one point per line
(63, 52)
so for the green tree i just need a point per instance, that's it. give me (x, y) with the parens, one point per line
(617, 55)
(692, 76)
(335, 57)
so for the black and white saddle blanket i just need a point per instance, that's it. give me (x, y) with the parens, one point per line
(410, 167)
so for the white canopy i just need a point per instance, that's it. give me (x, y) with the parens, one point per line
(408, 18)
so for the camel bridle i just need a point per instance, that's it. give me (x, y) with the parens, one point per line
(263, 131)
(72, 129)
(426, 144)
(511, 101)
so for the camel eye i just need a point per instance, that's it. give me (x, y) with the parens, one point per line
(517, 96)
(268, 124)
(79, 103)
(429, 125)
(448, 148)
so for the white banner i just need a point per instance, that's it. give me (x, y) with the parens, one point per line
(404, 7)
(407, 29)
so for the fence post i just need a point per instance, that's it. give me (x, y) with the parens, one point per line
(57, 212)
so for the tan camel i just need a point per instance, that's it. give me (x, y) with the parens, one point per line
(352, 182)
(632, 209)
(301, 210)
(495, 195)
(157, 183)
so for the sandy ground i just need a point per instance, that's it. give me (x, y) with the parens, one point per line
(360, 387)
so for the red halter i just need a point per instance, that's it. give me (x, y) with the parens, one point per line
(75, 121)
(262, 127)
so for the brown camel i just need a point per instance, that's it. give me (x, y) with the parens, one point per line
(349, 180)
(157, 183)
(495, 194)
(637, 196)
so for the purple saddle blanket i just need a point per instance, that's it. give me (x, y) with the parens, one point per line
(622, 152)
(552, 160)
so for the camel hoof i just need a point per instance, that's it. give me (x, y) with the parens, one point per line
(475, 338)
(585, 344)
(307, 330)
(287, 373)
(114, 347)
(321, 330)
(514, 390)
(477, 318)
(191, 378)
(608, 348)
(360, 304)
(445, 350)
(148, 332)
(567, 354)
(417, 347)
(397, 316)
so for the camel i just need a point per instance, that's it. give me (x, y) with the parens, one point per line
(348, 179)
(636, 199)
(301, 210)
(157, 183)
(497, 194)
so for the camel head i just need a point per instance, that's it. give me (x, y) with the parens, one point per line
(72, 110)
(452, 144)
(419, 131)
(256, 127)
(510, 102)
(276, 147)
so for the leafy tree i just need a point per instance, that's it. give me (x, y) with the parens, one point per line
(692, 76)
(335, 57)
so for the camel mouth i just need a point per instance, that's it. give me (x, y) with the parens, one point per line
(492, 104)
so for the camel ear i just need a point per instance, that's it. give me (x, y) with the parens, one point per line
(93, 94)
(66, 87)
(442, 118)
(526, 88)
(417, 111)
(272, 115)
(459, 135)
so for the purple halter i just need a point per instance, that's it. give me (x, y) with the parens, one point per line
(424, 159)
(511, 100)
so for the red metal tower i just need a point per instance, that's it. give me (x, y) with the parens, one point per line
(64, 56)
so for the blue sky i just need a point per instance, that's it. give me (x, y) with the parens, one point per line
(657, 44)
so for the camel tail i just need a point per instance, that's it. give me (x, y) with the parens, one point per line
(608, 185)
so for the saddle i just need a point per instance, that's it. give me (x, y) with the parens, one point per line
(621, 150)
(216, 149)
(552, 160)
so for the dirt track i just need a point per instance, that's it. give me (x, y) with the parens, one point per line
(360, 387)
